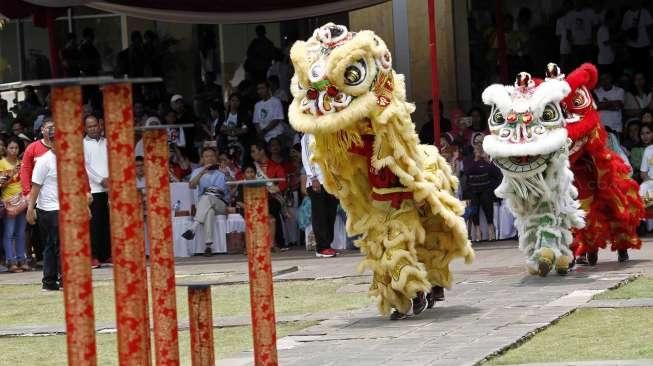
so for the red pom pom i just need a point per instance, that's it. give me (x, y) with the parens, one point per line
(332, 90)
(312, 94)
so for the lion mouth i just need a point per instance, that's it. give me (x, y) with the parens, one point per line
(321, 102)
(523, 164)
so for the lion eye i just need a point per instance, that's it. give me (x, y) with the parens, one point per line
(549, 114)
(498, 117)
(579, 100)
(355, 73)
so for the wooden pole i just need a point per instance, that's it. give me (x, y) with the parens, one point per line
(201, 325)
(128, 245)
(74, 225)
(162, 258)
(260, 275)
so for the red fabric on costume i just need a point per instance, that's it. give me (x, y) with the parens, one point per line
(607, 193)
(383, 178)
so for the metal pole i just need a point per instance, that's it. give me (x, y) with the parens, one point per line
(74, 225)
(20, 43)
(162, 260)
(435, 81)
(201, 325)
(260, 275)
(128, 246)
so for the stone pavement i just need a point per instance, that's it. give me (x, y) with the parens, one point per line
(492, 305)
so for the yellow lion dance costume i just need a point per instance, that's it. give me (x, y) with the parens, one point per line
(398, 194)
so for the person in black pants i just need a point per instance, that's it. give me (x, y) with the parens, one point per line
(97, 169)
(480, 178)
(323, 205)
(43, 206)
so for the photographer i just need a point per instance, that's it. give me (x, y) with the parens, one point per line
(214, 195)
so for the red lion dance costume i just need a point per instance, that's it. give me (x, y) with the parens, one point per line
(606, 191)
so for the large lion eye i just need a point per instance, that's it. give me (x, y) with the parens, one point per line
(355, 73)
(498, 117)
(550, 114)
(579, 100)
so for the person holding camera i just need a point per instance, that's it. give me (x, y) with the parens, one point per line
(213, 197)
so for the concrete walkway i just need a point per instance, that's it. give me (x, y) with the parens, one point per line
(492, 305)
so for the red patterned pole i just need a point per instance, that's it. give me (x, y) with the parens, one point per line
(162, 258)
(74, 234)
(201, 325)
(261, 296)
(128, 245)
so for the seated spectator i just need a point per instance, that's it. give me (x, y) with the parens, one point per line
(175, 135)
(638, 98)
(213, 197)
(179, 164)
(630, 138)
(275, 150)
(478, 120)
(480, 178)
(647, 116)
(610, 100)
(268, 169)
(637, 153)
(184, 115)
(426, 134)
(281, 94)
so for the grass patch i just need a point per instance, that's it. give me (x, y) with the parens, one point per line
(51, 350)
(589, 334)
(641, 287)
(27, 305)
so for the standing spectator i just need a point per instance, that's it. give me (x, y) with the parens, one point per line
(638, 98)
(637, 23)
(90, 60)
(18, 131)
(563, 36)
(480, 178)
(69, 56)
(184, 115)
(13, 237)
(268, 169)
(277, 91)
(605, 39)
(213, 197)
(268, 113)
(3, 148)
(646, 169)
(97, 169)
(32, 152)
(259, 55)
(43, 207)
(323, 205)
(131, 61)
(610, 99)
(5, 116)
(631, 135)
(581, 24)
(233, 129)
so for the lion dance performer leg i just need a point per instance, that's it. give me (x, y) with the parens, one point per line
(397, 193)
(607, 192)
(529, 143)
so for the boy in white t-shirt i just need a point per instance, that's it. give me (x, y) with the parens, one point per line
(637, 23)
(604, 40)
(43, 207)
(610, 100)
(268, 113)
(581, 24)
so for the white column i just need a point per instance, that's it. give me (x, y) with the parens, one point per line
(401, 54)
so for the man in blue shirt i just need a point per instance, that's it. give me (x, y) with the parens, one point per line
(214, 196)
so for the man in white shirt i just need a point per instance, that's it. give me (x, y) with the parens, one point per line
(637, 23)
(323, 205)
(581, 24)
(610, 100)
(97, 169)
(604, 40)
(268, 113)
(43, 207)
(561, 33)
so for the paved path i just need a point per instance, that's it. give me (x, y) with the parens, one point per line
(492, 305)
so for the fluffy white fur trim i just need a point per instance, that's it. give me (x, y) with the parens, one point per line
(545, 144)
(499, 96)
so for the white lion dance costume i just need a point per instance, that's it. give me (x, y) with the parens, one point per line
(397, 193)
(529, 143)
